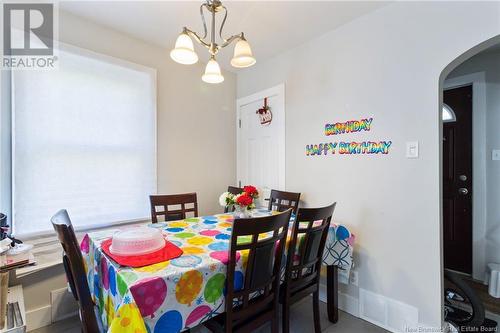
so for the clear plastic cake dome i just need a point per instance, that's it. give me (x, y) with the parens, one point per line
(136, 241)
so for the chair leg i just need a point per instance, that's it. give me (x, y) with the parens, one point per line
(285, 318)
(275, 325)
(317, 322)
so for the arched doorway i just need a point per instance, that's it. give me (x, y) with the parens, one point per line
(464, 159)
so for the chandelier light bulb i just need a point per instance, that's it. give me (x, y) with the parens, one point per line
(243, 56)
(183, 53)
(212, 72)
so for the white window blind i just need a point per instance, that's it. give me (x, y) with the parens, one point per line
(84, 139)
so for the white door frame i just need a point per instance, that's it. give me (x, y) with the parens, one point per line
(479, 157)
(278, 92)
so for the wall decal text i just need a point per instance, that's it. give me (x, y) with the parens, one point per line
(350, 126)
(349, 147)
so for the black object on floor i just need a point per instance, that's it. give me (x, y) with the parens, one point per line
(488, 326)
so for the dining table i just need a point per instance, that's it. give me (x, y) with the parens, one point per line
(182, 293)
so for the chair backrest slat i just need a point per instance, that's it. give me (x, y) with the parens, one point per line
(167, 201)
(233, 190)
(262, 272)
(281, 201)
(75, 270)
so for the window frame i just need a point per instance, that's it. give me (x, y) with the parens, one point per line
(154, 102)
(451, 112)
(6, 144)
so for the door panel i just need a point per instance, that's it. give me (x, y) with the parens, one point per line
(457, 181)
(261, 147)
(258, 142)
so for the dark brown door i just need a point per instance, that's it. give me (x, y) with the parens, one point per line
(457, 179)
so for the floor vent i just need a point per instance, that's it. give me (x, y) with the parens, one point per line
(63, 304)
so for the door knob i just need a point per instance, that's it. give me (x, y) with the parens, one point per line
(463, 191)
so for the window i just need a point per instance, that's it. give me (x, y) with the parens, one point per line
(83, 139)
(448, 114)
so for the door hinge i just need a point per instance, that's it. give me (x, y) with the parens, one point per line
(239, 123)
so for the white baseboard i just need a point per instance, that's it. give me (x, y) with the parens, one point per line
(390, 314)
(41, 317)
(62, 306)
(37, 318)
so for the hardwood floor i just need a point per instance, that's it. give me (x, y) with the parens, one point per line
(301, 321)
(491, 304)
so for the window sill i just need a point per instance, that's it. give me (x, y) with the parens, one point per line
(43, 262)
(47, 249)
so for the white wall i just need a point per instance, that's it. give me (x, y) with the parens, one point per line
(386, 64)
(489, 63)
(196, 134)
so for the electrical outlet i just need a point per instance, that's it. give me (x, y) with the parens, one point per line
(354, 278)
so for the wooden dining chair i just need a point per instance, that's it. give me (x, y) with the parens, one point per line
(75, 272)
(304, 258)
(281, 201)
(257, 301)
(174, 206)
(233, 190)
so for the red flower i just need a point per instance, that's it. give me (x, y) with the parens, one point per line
(244, 200)
(251, 191)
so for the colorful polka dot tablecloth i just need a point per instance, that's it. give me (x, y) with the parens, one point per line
(175, 295)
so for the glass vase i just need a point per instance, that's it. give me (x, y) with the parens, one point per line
(242, 212)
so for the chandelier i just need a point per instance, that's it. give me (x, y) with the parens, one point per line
(184, 53)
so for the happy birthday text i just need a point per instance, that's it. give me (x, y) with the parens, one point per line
(349, 147)
(365, 147)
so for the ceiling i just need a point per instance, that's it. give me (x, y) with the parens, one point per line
(271, 27)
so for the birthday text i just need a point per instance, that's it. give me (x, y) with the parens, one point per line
(350, 126)
(349, 148)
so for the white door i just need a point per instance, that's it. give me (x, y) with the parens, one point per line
(261, 148)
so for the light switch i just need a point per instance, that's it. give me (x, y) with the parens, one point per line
(412, 149)
(495, 154)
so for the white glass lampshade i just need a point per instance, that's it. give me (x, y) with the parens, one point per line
(243, 56)
(183, 53)
(212, 72)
